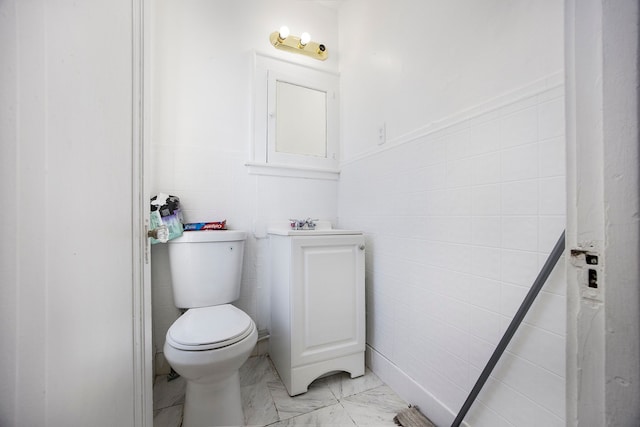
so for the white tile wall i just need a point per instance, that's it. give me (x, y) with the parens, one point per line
(458, 224)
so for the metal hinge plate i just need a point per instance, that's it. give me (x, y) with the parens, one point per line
(588, 265)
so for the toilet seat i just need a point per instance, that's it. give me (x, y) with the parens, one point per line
(209, 328)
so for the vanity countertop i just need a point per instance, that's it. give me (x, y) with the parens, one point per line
(323, 228)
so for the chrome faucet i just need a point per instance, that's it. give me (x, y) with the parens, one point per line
(303, 224)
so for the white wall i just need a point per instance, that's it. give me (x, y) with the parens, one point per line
(202, 120)
(463, 202)
(66, 317)
(411, 63)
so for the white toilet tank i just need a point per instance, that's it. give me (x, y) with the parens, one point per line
(206, 267)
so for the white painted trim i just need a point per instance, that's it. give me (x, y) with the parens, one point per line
(297, 64)
(461, 118)
(409, 390)
(288, 171)
(603, 375)
(141, 282)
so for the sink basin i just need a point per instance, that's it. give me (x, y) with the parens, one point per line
(323, 228)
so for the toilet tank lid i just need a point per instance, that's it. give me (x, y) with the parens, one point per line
(210, 236)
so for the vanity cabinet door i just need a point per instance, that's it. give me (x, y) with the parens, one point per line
(328, 312)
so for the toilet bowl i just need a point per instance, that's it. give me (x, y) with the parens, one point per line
(208, 344)
(209, 360)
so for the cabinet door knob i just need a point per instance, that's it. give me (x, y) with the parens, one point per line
(362, 247)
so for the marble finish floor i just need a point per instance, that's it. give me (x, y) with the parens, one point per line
(336, 400)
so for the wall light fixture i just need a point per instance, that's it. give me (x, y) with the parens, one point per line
(283, 40)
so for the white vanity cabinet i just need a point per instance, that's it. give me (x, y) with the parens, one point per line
(317, 305)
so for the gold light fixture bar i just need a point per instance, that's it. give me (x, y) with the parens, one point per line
(303, 45)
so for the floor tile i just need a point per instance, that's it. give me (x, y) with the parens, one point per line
(168, 393)
(337, 400)
(168, 417)
(342, 385)
(257, 403)
(317, 396)
(257, 369)
(375, 407)
(334, 416)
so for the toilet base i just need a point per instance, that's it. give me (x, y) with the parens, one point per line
(214, 404)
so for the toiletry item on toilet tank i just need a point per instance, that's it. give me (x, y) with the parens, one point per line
(165, 210)
(198, 226)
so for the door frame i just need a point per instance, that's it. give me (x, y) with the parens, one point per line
(141, 292)
(602, 106)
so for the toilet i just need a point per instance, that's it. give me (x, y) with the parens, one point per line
(208, 344)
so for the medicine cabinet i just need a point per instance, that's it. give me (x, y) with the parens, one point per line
(295, 120)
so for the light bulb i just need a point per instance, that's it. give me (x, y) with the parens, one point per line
(305, 38)
(283, 32)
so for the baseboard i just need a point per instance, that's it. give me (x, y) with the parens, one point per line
(408, 389)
